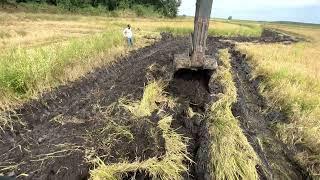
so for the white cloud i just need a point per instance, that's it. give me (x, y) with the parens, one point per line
(289, 3)
(256, 4)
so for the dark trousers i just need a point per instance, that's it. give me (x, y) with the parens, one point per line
(130, 42)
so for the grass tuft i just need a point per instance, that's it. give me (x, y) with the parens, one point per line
(152, 96)
(5, 122)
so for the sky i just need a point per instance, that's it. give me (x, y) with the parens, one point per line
(268, 10)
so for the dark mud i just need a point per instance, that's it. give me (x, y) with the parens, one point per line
(191, 89)
(81, 119)
(64, 124)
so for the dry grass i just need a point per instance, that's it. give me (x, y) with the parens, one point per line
(292, 84)
(29, 30)
(5, 121)
(153, 95)
(168, 167)
(8, 120)
(24, 30)
(216, 28)
(231, 155)
(154, 98)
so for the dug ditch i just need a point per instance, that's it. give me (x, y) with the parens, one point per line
(256, 122)
(58, 131)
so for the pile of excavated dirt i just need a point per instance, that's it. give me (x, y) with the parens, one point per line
(63, 127)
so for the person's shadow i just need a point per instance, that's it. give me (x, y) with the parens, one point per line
(7, 178)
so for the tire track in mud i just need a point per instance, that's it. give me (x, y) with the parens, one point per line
(78, 97)
(252, 112)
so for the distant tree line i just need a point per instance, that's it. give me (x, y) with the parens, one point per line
(167, 8)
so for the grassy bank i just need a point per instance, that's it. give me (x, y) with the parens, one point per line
(231, 155)
(25, 72)
(291, 83)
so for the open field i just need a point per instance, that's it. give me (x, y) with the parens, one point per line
(77, 103)
(68, 46)
(29, 30)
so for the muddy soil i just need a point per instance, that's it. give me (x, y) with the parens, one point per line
(61, 126)
(191, 89)
(64, 126)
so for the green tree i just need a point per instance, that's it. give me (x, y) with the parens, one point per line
(170, 7)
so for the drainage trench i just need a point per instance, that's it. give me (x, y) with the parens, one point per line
(252, 112)
(191, 88)
(192, 91)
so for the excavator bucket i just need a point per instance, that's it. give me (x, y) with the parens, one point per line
(197, 58)
(184, 61)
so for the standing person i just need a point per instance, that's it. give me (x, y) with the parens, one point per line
(129, 35)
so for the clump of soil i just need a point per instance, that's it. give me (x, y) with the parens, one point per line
(269, 35)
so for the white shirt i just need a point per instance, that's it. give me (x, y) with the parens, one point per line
(127, 33)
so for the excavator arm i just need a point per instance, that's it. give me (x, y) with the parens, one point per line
(196, 58)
